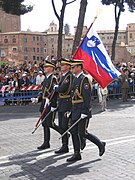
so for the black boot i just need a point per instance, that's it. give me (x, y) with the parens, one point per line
(46, 143)
(44, 146)
(62, 150)
(102, 148)
(76, 157)
(96, 141)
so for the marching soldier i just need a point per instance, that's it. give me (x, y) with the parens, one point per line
(81, 109)
(47, 89)
(64, 102)
(64, 105)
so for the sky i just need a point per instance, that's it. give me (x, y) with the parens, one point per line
(42, 15)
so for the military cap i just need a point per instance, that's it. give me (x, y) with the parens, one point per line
(49, 64)
(76, 62)
(65, 61)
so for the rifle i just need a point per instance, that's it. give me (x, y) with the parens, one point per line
(36, 127)
(43, 112)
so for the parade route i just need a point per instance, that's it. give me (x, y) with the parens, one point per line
(20, 160)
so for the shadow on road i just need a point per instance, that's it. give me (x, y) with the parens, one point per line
(33, 165)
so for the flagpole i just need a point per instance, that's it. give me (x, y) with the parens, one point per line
(85, 34)
(98, 12)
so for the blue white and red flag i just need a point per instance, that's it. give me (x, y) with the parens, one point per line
(96, 60)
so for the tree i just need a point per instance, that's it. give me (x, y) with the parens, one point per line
(15, 7)
(67, 29)
(78, 34)
(61, 20)
(119, 7)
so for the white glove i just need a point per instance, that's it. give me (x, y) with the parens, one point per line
(46, 102)
(34, 100)
(67, 114)
(53, 109)
(55, 86)
(83, 116)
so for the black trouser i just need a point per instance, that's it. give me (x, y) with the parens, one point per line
(63, 126)
(49, 123)
(80, 130)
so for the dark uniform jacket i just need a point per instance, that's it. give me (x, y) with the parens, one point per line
(81, 97)
(64, 92)
(47, 90)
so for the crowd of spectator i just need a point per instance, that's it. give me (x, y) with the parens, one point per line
(32, 73)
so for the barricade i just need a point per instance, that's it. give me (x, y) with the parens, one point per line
(11, 95)
(115, 91)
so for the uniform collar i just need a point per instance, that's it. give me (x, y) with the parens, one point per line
(79, 74)
(65, 73)
(49, 75)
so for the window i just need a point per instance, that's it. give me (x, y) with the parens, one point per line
(34, 50)
(5, 40)
(38, 50)
(130, 35)
(14, 49)
(25, 39)
(14, 40)
(34, 57)
(40, 38)
(33, 38)
(41, 50)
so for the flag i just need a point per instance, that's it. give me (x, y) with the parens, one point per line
(96, 60)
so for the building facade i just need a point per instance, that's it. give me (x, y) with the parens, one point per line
(18, 46)
(9, 23)
(24, 46)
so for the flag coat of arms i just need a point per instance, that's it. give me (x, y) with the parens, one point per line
(96, 60)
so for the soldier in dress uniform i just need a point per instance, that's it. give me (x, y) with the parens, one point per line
(47, 88)
(81, 109)
(64, 101)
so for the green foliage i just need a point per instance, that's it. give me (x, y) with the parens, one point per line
(3, 64)
(121, 4)
(15, 7)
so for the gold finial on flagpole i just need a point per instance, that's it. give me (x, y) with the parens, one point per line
(99, 11)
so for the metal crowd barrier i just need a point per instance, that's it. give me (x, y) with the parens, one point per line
(21, 96)
(115, 91)
(11, 95)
